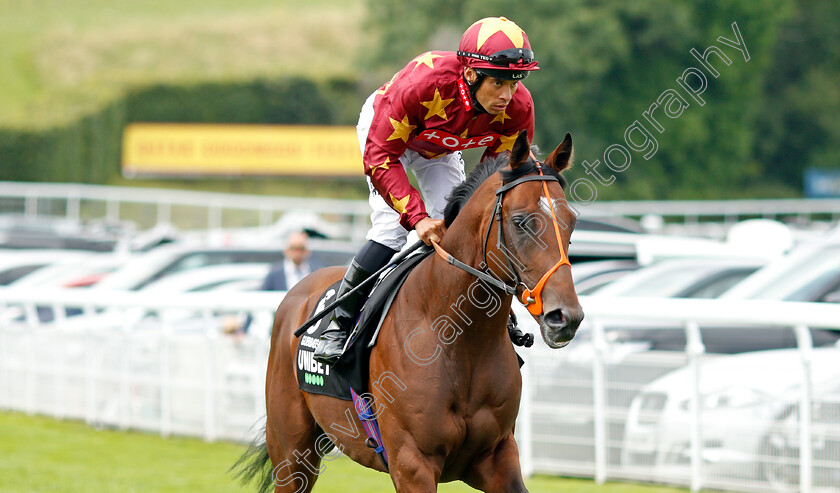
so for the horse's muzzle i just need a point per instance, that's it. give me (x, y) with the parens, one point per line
(559, 326)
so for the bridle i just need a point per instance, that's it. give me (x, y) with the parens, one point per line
(531, 298)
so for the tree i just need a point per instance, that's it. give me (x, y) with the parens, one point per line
(605, 63)
(798, 126)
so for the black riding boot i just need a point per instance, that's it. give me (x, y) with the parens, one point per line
(332, 340)
(372, 257)
(518, 337)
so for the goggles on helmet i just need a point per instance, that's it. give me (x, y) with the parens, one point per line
(511, 56)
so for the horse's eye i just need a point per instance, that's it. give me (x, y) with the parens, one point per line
(518, 220)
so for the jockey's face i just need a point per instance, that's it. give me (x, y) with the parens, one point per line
(494, 94)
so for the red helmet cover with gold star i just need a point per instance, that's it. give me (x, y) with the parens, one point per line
(496, 43)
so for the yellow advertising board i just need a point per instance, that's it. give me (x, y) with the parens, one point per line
(161, 149)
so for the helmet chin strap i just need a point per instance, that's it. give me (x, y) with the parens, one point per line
(473, 88)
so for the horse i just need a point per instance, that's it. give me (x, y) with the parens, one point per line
(445, 380)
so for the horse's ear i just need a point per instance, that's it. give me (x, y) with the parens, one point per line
(521, 150)
(561, 158)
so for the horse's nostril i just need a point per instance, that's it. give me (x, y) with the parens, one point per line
(554, 318)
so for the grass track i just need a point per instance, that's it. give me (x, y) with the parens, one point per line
(39, 454)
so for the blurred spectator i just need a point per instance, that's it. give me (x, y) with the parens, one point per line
(283, 275)
(294, 267)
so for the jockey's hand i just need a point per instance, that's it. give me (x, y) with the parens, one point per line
(430, 230)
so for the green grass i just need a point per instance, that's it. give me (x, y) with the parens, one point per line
(39, 454)
(63, 58)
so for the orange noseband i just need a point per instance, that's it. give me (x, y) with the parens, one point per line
(532, 298)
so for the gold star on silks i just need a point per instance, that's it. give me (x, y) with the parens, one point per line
(382, 166)
(464, 133)
(387, 85)
(500, 118)
(506, 143)
(437, 106)
(399, 204)
(402, 130)
(432, 155)
(495, 24)
(427, 59)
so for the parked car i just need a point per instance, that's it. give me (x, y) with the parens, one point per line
(173, 258)
(67, 270)
(245, 276)
(809, 273)
(593, 275)
(749, 419)
(144, 269)
(637, 353)
(72, 271)
(589, 243)
(684, 278)
(228, 277)
(15, 264)
(20, 231)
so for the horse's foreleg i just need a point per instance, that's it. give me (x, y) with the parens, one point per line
(413, 472)
(499, 471)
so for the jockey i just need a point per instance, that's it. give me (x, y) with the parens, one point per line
(438, 105)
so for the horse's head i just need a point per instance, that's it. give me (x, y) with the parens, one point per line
(533, 224)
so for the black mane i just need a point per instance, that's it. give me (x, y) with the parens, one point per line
(462, 193)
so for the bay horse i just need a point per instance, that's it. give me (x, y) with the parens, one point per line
(445, 381)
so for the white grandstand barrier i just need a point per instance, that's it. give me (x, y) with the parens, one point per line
(175, 374)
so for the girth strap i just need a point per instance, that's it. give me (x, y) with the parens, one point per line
(368, 418)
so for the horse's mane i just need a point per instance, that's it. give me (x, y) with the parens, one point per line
(462, 193)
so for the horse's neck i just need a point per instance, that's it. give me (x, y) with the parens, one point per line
(465, 312)
(457, 301)
(467, 309)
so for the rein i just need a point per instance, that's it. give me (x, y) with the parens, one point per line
(472, 270)
(531, 298)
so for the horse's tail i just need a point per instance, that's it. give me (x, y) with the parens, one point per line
(255, 463)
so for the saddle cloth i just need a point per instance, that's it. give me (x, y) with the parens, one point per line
(351, 369)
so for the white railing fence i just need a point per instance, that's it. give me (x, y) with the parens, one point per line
(208, 210)
(137, 361)
(182, 208)
(578, 402)
(143, 362)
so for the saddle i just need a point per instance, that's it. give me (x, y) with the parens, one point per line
(351, 369)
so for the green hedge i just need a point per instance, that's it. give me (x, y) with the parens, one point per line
(89, 150)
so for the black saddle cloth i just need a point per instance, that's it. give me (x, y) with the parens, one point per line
(351, 369)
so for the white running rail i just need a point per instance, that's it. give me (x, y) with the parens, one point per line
(176, 373)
